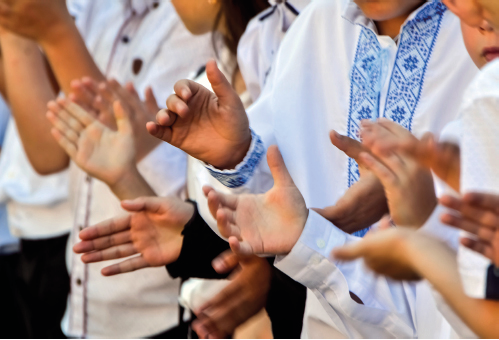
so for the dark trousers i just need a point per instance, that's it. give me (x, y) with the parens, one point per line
(13, 321)
(43, 285)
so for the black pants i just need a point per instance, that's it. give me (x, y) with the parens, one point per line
(43, 285)
(13, 321)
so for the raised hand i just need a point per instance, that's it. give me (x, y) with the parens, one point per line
(364, 203)
(37, 20)
(104, 154)
(243, 298)
(212, 127)
(269, 223)
(153, 230)
(478, 214)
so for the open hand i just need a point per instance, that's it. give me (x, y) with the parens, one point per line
(269, 223)
(153, 230)
(478, 214)
(212, 127)
(101, 152)
(243, 298)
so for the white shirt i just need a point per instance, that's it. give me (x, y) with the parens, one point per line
(332, 71)
(157, 51)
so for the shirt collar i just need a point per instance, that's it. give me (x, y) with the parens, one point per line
(141, 6)
(353, 14)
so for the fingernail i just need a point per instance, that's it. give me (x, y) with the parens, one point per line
(337, 135)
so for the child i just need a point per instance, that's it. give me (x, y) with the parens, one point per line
(323, 81)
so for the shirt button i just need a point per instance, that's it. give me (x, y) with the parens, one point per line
(80, 227)
(321, 243)
(155, 5)
(137, 66)
(78, 282)
(125, 39)
(315, 260)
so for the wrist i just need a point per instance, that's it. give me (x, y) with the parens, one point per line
(130, 184)
(235, 153)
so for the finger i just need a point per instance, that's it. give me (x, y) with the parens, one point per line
(68, 146)
(176, 105)
(385, 175)
(151, 102)
(166, 117)
(184, 89)
(76, 111)
(485, 218)
(348, 252)
(225, 262)
(220, 85)
(109, 227)
(156, 205)
(67, 117)
(485, 201)
(81, 95)
(122, 119)
(460, 223)
(240, 247)
(277, 167)
(351, 147)
(163, 133)
(479, 246)
(63, 130)
(200, 328)
(126, 266)
(115, 252)
(451, 202)
(104, 242)
(226, 223)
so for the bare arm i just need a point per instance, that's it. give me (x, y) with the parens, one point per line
(49, 25)
(28, 89)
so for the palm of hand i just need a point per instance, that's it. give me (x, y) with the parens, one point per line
(272, 222)
(103, 153)
(156, 238)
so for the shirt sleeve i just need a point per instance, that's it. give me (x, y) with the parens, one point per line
(384, 302)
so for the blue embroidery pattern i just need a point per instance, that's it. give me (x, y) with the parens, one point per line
(240, 177)
(417, 41)
(416, 45)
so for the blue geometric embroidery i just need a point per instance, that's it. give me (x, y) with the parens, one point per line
(240, 177)
(417, 41)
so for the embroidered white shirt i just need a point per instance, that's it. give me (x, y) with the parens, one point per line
(146, 43)
(331, 72)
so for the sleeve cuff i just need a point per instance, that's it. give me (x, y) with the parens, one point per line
(308, 262)
(244, 171)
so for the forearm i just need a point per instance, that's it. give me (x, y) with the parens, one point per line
(69, 57)
(28, 89)
(443, 274)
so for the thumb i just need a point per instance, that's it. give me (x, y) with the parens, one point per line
(122, 119)
(151, 102)
(348, 253)
(280, 173)
(220, 85)
(150, 204)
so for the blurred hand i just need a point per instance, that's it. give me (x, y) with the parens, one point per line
(212, 127)
(270, 223)
(478, 214)
(243, 298)
(34, 19)
(153, 230)
(384, 252)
